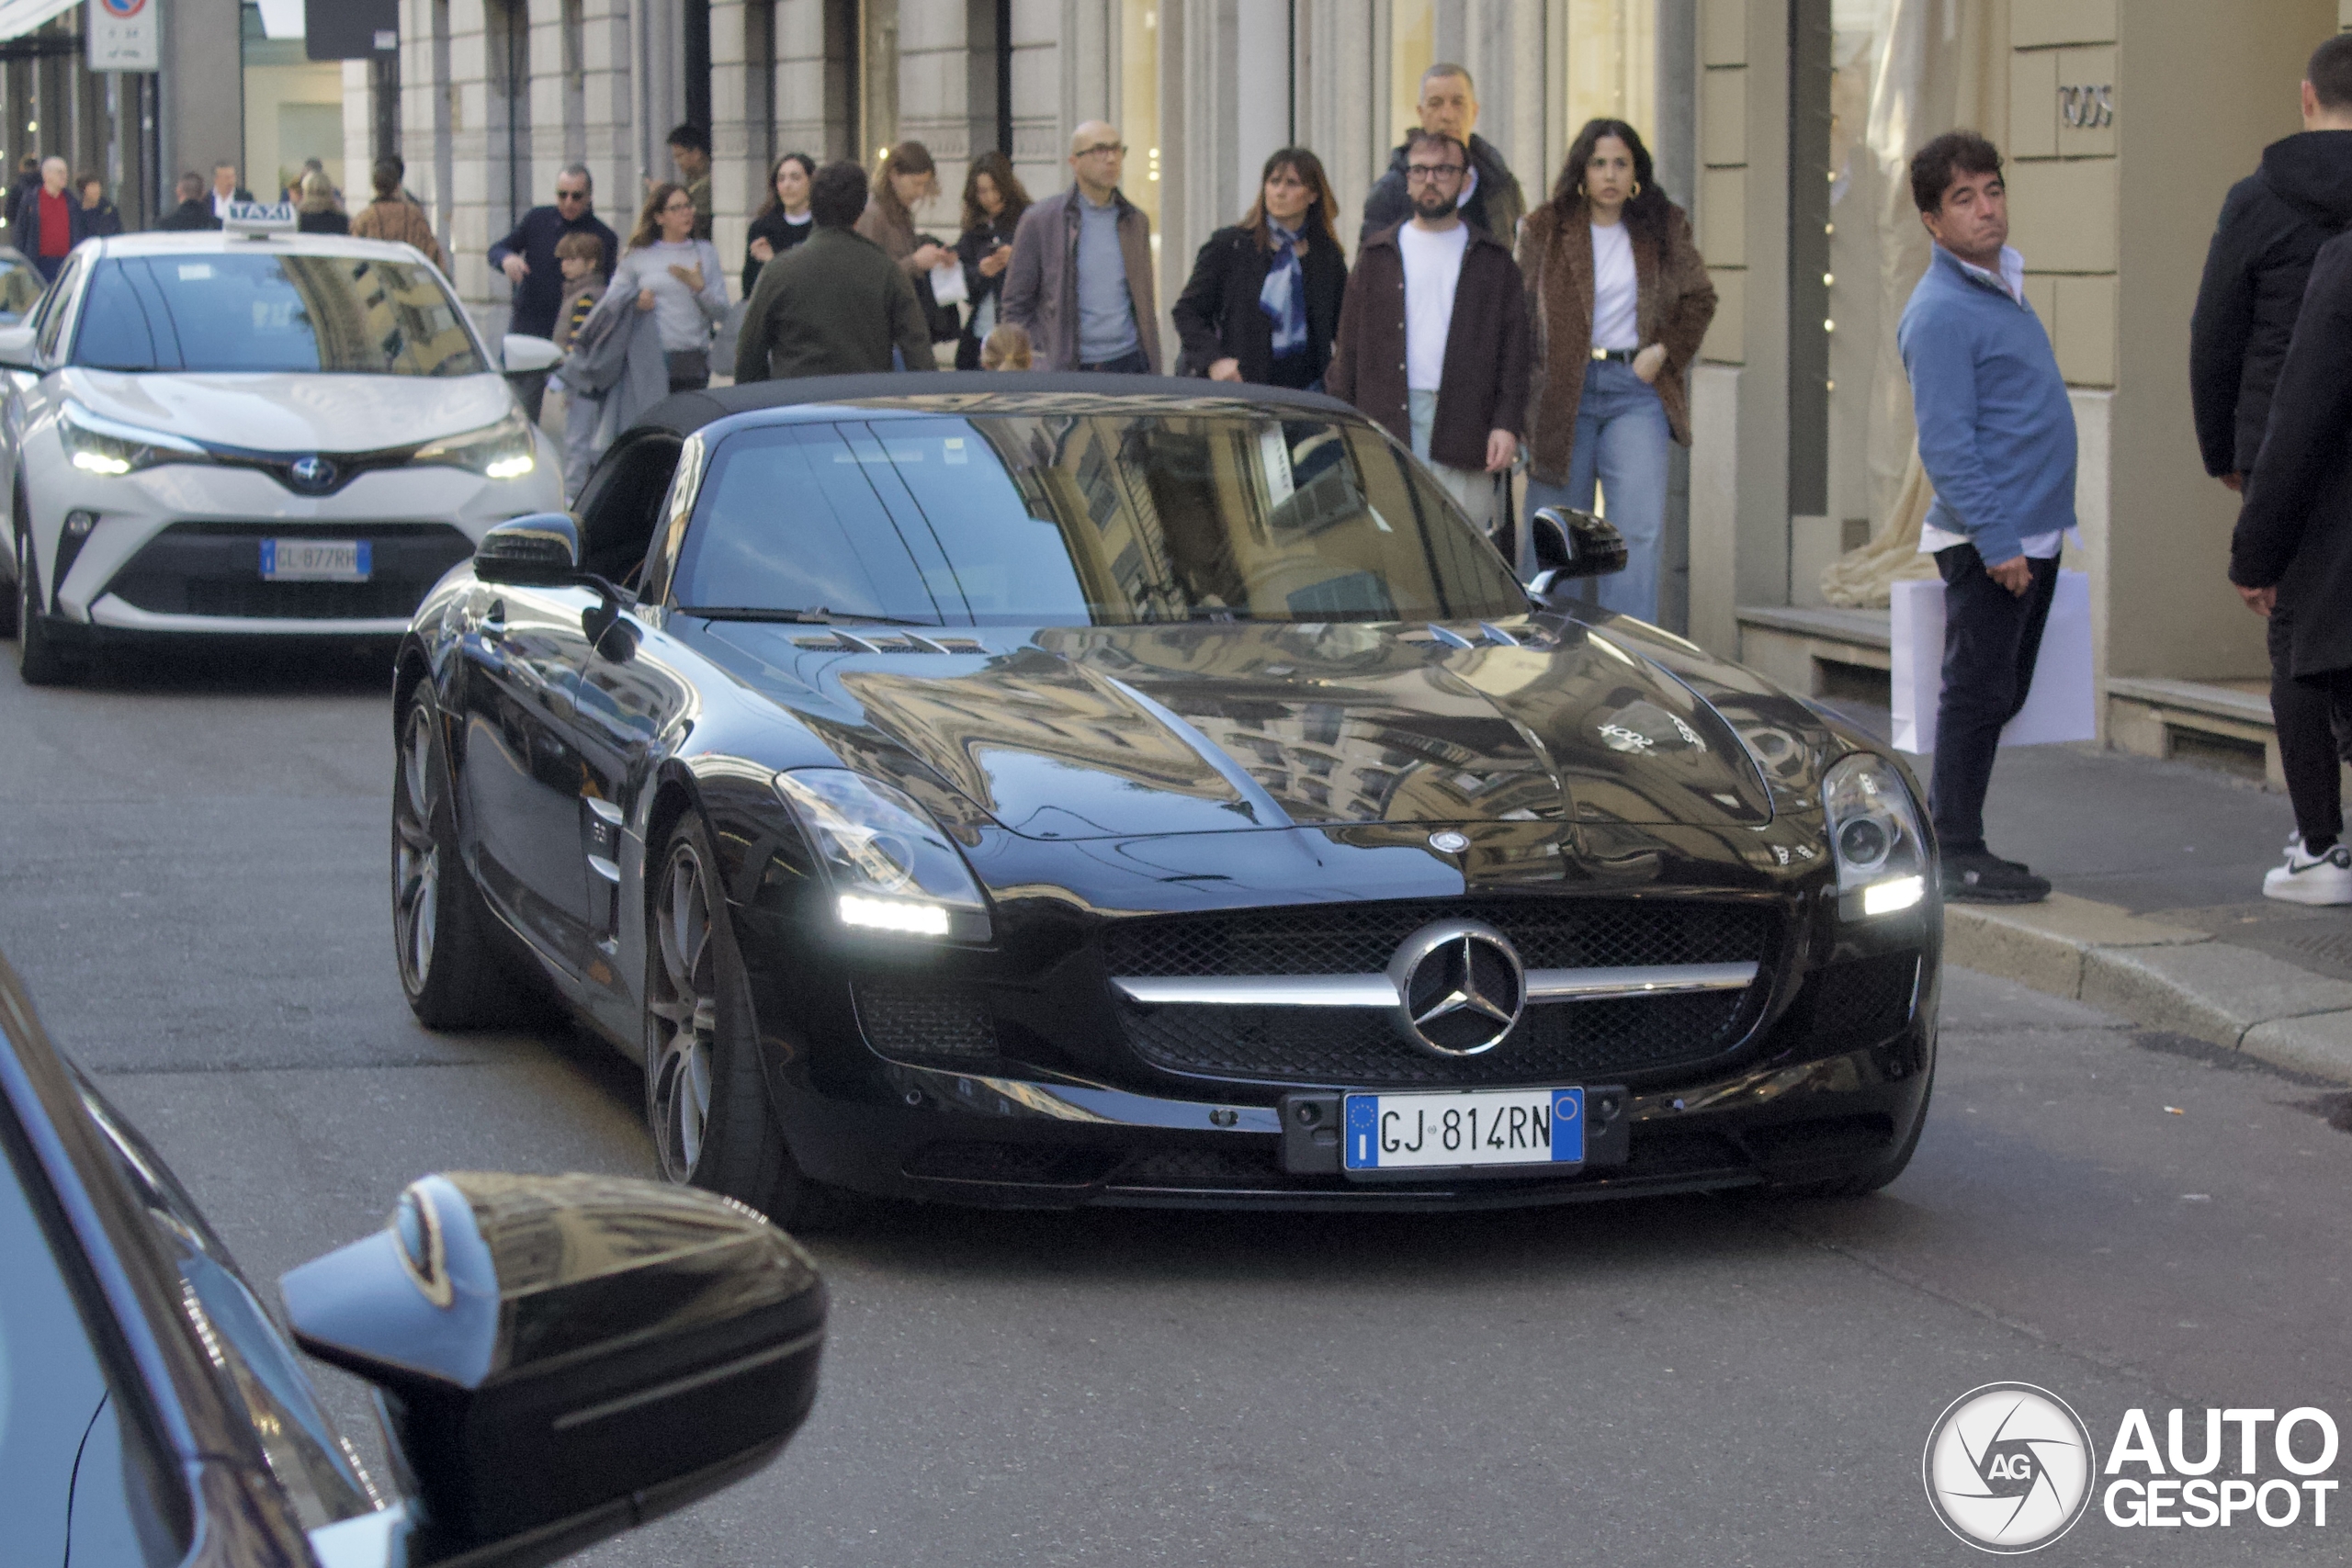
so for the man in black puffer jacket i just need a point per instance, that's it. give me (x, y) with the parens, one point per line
(2272, 227)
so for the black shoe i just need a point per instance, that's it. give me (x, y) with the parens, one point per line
(1978, 876)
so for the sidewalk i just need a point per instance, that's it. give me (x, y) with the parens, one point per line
(2158, 913)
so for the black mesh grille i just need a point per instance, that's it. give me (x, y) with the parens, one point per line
(1866, 1000)
(1359, 938)
(214, 568)
(928, 1023)
(1556, 1042)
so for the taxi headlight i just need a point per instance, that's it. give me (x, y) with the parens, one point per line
(501, 451)
(888, 866)
(1874, 837)
(96, 445)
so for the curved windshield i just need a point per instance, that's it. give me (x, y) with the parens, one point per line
(270, 310)
(1103, 519)
(20, 288)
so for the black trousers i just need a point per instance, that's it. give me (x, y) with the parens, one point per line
(2314, 732)
(1991, 639)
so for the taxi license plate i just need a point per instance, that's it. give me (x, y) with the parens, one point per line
(1467, 1127)
(314, 560)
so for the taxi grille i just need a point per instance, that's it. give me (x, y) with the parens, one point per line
(214, 568)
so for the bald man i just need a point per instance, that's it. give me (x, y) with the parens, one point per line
(49, 221)
(1080, 278)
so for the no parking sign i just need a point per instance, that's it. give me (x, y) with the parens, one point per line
(124, 35)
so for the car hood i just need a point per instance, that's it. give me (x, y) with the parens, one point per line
(297, 414)
(1116, 732)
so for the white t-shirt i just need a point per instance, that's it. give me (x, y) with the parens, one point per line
(1616, 293)
(1432, 268)
(2037, 546)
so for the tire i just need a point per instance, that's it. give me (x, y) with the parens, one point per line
(11, 615)
(1862, 1183)
(706, 1097)
(441, 930)
(40, 661)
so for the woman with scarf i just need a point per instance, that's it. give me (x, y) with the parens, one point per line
(1265, 298)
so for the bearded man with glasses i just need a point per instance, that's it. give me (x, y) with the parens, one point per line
(1434, 340)
(1080, 278)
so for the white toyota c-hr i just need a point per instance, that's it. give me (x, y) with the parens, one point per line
(251, 432)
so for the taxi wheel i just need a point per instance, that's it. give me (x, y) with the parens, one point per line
(451, 976)
(706, 1097)
(39, 659)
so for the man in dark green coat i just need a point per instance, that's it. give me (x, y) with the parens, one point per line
(836, 305)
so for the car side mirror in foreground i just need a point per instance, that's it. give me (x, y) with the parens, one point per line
(559, 1359)
(522, 354)
(16, 350)
(1572, 544)
(539, 551)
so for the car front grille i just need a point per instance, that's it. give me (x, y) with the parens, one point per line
(1553, 1042)
(927, 1023)
(214, 568)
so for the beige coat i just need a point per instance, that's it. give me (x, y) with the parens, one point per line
(401, 222)
(1675, 302)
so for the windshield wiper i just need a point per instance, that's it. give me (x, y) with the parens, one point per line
(817, 617)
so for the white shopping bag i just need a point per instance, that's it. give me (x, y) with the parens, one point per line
(2061, 707)
(947, 283)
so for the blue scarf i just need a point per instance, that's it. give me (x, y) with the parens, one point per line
(1283, 296)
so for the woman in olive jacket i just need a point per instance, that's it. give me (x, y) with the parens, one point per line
(1263, 301)
(1621, 301)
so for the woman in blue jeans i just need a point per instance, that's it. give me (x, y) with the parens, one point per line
(1621, 300)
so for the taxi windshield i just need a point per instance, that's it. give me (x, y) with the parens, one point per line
(267, 311)
(1078, 519)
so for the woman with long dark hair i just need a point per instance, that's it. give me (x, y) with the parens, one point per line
(994, 200)
(785, 222)
(1263, 300)
(907, 179)
(1621, 300)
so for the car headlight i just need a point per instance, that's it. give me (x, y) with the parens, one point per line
(96, 445)
(1874, 837)
(890, 868)
(501, 451)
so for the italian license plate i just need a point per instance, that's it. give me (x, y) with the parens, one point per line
(314, 560)
(1467, 1127)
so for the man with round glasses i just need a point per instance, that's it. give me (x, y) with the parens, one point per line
(1080, 277)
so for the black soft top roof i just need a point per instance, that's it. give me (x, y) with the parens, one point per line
(976, 391)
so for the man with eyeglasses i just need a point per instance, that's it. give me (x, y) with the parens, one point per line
(1489, 198)
(1433, 339)
(527, 258)
(1080, 277)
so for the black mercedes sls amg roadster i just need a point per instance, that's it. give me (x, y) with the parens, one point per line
(1061, 790)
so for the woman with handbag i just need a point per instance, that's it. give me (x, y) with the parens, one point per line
(993, 203)
(677, 277)
(1263, 301)
(1621, 300)
(907, 179)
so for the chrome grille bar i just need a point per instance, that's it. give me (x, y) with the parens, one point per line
(1379, 991)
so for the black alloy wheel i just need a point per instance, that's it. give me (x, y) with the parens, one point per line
(10, 607)
(705, 1098)
(39, 659)
(451, 976)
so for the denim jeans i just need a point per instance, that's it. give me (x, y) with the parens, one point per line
(1621, 443)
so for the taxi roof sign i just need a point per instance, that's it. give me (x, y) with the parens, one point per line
(259, 219)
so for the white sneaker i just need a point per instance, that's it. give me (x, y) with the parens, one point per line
(2309, 879)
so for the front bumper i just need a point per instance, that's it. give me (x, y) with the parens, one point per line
(1789, 1113)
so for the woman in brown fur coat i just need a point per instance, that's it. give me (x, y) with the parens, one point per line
(1621, 300)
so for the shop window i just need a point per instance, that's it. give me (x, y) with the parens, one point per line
(877, 50)
(1138, 117)
(1613, 66)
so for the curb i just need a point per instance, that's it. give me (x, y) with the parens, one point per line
(2161, 976)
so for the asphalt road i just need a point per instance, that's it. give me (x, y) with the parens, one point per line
(193, 883)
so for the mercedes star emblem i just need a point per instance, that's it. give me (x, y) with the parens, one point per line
(1460, 987)
(1448, 841)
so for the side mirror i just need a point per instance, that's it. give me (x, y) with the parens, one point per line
(539, 551)
(16, 350)
(1570, 544)
(522, 355)
(559, 1358)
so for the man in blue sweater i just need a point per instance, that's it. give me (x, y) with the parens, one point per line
(1997, 436)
